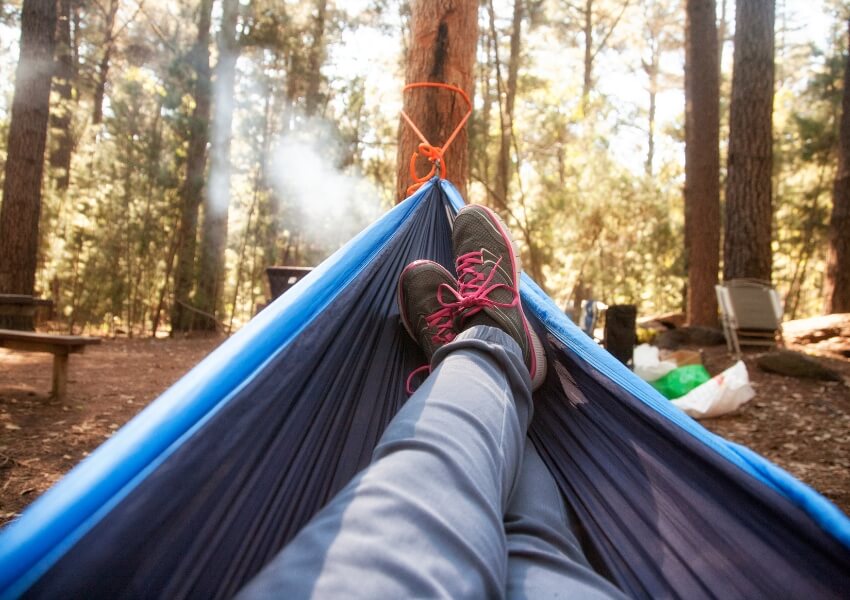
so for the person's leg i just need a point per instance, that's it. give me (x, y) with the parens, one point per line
(425, 518)
(545, 559)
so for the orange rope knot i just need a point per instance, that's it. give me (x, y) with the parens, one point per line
(426, 149)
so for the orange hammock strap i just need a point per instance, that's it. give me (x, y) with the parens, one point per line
(426, 149)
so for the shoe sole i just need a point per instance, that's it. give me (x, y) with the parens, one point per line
(538, 356)
(400, 291)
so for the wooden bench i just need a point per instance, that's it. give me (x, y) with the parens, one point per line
(60, 346)
(22, 312)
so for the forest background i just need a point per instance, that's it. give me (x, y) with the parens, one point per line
(192, 144)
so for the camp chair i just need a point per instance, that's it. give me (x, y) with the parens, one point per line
(751, 313)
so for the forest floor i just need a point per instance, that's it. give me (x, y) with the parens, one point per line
(802, 425)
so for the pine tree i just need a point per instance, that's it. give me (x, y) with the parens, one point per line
(217, 198)
(20, 212)
(62, 115)
(746, 249)
(837, 288)
(702, 161)
(315, 58)
(110, 15)
(506, 108)
(193, 186)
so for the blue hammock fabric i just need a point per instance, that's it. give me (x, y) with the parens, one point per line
(199, 491)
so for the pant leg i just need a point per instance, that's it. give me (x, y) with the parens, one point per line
(545, 559)
(424, 519)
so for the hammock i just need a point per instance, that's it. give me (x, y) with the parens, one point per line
(201, 489)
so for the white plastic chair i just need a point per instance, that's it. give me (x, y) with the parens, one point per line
(751, 312)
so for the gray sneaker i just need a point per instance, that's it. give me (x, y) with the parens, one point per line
(424, 290)
(488, 271)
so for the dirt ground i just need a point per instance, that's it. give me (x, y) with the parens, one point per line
(41, 439)
(804, 426)
(801, 425)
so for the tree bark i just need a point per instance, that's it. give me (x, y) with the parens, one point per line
(21, 209)
(837, 285)
(746, 251)
(444, 35)
(217, 198)
(192, 191)
(702, 162)
(65, 75)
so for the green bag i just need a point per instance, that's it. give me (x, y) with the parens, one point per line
(679, 382)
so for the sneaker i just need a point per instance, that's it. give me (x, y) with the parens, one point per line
(425, 289)
(488, 272)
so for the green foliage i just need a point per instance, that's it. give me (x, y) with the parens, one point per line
(592, 219)
(806, 125)
(591, 226)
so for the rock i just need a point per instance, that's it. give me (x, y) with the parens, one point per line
(690, 336)
(796, 364)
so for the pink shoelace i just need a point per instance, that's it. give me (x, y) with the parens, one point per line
(474, 287)
(471, 297)
(443, 321)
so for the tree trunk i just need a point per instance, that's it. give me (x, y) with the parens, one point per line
(513, 63)
(721, 34)
(169, 265)
(592, 30)
(650, 142)
(747, 251)
(499, 191)
(103, 66)
(315, 59)
(444, 34)
(587, 82)
(192, 191)
(483, 117)
(503, 172)
(217, 199)
(702, 162)
(63, 82)
(652, 69)
(837, 288)
(21, 207)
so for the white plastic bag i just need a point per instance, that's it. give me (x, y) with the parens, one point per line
(647, 365)
(719, 395)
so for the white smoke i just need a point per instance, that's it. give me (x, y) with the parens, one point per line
(322, 201)
(221, 137)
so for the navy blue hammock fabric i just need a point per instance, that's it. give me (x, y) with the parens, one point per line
(200, 490)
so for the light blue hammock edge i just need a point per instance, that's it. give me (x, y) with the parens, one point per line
(30, 545)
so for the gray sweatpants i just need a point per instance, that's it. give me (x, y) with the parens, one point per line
(455, 504)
